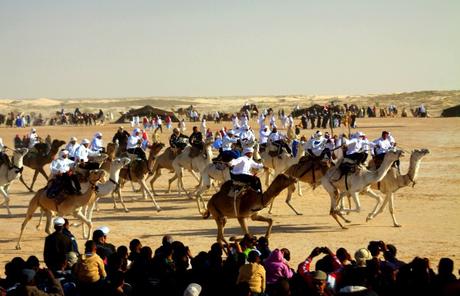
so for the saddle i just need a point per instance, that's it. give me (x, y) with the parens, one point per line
(56, 189)
(219, 165)
(348, 167)
(235, 188)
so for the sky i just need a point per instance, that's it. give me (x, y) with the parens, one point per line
(96, 48)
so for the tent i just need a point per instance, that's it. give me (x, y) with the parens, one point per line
(451, 112)
(148, 111)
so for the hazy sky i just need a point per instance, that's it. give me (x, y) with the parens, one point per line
(75, 48)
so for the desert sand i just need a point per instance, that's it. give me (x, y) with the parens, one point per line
(429, 212)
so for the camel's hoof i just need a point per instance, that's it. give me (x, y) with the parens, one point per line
(347, 221)
(158, 209)
(126, 211)
(18, 247)
(397, 225)
(299, 214)
(344, 228)
(369, 218)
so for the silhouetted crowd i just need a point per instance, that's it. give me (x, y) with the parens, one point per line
(243, 267)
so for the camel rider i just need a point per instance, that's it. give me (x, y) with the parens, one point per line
(81, 156)
(63, 176)
(121, 136)
(247, 135)
(228, 147)
(33, 138)
(97, 144)
(241, 170)
(3, 156)
(277, 139)
(381, 146)
(72, 148)
(316, 146)
(196, 140)
(356, 148)
(134, 144)
(264, 133)
(178, 141)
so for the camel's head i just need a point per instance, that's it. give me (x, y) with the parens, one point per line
(99, 158)
(418, 154)
(95, 175)
(57, 143)
(155, 148)
(394, 154)
(119, 163)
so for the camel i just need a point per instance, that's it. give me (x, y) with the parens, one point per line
(393, 181)
(138, 171)
(338, 186)
(308, 170)
(277, 164)
(37, 161)
(221, 175)
(164, 161)
(247, 204)
(72, 204)
(10, 174)
(197, 164)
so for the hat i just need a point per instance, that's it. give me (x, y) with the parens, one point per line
(362, 255)
(319, 275)
(248, 150)
(120, 127)
(63, 152)
(59, 221)
(28, 274)
(360, 134)
(73, 139)
(192, 290)
(136, 130)
(105, 230)
(84, 141)
(318, 134)
(33, 130)
(230, 132)
(98, 134)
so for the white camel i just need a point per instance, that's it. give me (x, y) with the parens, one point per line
(164, 161)
(10, 174)
(197, 164)
(393, 181)
(339, 186)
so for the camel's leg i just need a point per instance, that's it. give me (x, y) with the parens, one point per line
(220, 230)
(244, 225)
(89, 215)
(267, 177)
(147, 191)
(299, 188)
(355, 196)
(33, 205)
(21, 178)
(195, 176)
(120, 197)
(79, 215)
(384, 204)
(134, 189)
(257, 217)
(291, 189)
(170, 182)
(41, 171)
(153, 179)
(49, 218)
(6, 201)
(379, 201)
(392, 211)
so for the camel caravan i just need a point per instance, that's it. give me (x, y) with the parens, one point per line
(227, 163)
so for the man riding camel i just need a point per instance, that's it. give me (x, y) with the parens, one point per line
(62, 176)
(81, 156)
(72, 147)
(357, 148)
(229, 141)
(97, 145)
(278, 140)
(241, 170)
(381, 146)
(196, 140)
(178, 141)
(134, 144)
(317, 146)
(121, 136)
(33, 138)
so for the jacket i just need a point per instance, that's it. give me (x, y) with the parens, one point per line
(276, 267)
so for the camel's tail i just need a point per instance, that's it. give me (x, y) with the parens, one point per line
(206, 214)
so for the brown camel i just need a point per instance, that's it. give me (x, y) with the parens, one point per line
(247, 204)
(309, 170)
(37, 162)
(138, 171)
(110, 151)
(69, 205)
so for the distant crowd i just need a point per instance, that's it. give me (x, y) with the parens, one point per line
(250, 266)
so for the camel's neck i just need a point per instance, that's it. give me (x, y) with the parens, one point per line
(18, 161)
(273, 191)
(115, 175)
(377, 176)
(412, 173)
(88, 196)
(54, 150)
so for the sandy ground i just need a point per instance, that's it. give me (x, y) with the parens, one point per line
(429, 212)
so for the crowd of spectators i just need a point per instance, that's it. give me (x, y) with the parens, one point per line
(244, 267)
